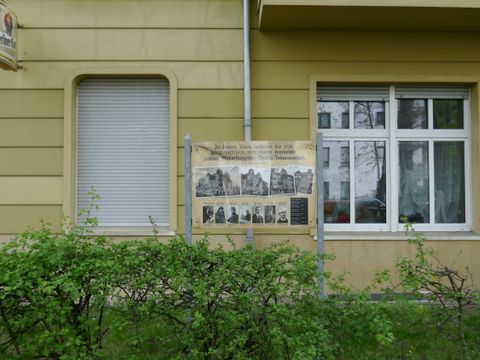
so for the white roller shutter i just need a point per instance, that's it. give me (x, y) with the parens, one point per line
(429, 91)
(123, 149)
(345, 92)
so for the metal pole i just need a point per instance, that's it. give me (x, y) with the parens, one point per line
(320, 215)
(188, 188)
(247, 106)
(247, 101)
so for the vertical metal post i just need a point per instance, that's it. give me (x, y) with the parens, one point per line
(320, 215)
(250, 236)
(188, 188)
(247, 102)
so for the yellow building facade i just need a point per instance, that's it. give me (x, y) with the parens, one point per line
(197, 45)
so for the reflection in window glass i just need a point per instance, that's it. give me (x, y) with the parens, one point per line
(337, 205)
(369, 115)
(447, 114)
(345, 190)
(370, 182)
(413, 196)
(345, 156)
(326, 190)
(345, 120)
(326, 157)
(449, 182)
(333, 115)
(412, 113)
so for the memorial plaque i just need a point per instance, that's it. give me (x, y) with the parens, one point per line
(253, 184)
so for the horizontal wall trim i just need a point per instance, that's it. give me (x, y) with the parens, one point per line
(228, 75)
(114, 13)
(31, 103)
(29, 176)
(16, 218)
(236, 117)
(129, 61)
(30, 88)
(186, 44)
(353, 60)
(229, 118)
(189, 74)
(31, 132)
(30, 147)
(5, 237)
(31, 117)
(375, 46)
(100, 27)
(41, 190)
(400, 236)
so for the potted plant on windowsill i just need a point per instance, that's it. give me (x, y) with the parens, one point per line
(343, 216)
(328, 208)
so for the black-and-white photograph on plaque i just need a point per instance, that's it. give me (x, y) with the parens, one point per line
(211, 182)
(270, 214)
(245, 214)
(282, 216)
(257, 217)
(232, 215)
(304, 179)
(254, 181)
(220, 215)
(282, 181)
(208, 214)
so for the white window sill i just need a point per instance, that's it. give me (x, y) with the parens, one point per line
(130, 231)
(400, 235)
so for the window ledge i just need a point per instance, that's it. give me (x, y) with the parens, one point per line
(130, 231)
(400, 235)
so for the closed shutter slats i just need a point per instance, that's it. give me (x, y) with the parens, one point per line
(123, 149)
(429, 91)
(345, 92)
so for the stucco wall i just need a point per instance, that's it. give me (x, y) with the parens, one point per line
(200, 43)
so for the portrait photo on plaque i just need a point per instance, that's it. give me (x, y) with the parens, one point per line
(257, 217)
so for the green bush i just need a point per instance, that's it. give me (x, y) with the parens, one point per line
(77, 296)
(53, 294)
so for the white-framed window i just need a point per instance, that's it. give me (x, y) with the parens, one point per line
(396, 152)
(123, 150)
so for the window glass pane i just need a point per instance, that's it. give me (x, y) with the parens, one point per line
(449, 182)
(337, 175)
(345, 156)
(370, 182)
(326, 157)
(369, 115)
(447, 114)
(413, 185)
(333, 115)
(326, 190)
(345, 190)
(412, 114)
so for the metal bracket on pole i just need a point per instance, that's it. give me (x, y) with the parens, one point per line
(188, 188)
(320, 215)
